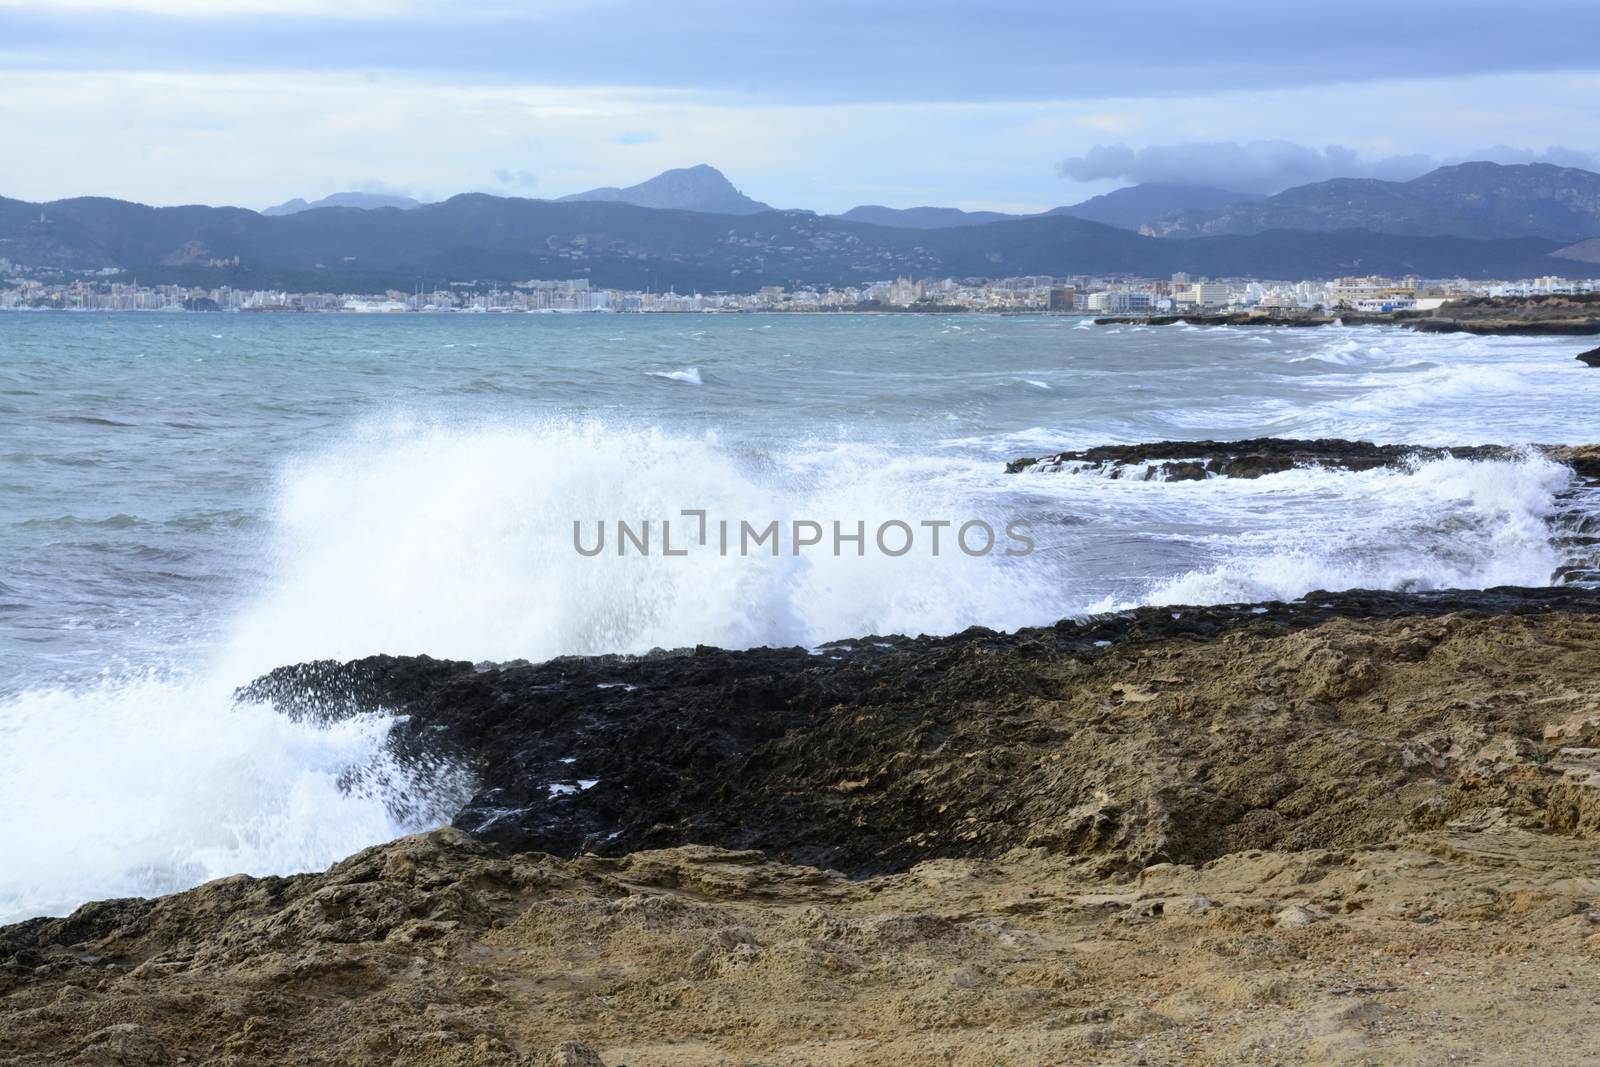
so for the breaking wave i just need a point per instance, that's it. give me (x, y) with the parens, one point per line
(456, 540)
(688, 375)
(147, 785)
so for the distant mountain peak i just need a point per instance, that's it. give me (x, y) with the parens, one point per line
(698, 188)
(364, 201)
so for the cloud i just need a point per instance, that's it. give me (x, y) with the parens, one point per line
(225, 136)
(1557, 155)
(943, 50)
(382, 188)
(521, 179)
(1272, 166)
(214, 9)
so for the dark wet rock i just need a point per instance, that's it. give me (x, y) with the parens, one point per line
(1229, 318)
(1251, 458)
(1554, 315)
(1590, 358)
(871, 755)
(1579, 327)
(1509, 327)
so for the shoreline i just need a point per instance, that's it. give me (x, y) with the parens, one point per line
(1563, 328)
(1174, 834)
(1372, 797)
(1585, 327)
(1539, 316)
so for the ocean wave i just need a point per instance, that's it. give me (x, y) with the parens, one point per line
(454, 539)
(688, 375)
(478, 521)
(171, 784)
(1443, 524)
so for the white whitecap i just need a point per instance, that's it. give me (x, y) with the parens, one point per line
(689, 375)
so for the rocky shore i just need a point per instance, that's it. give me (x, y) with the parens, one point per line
(1343, 828)
(1356, 828)
(1259, 456)
(1536, 316)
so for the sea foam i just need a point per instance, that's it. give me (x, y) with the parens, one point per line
(408, 536)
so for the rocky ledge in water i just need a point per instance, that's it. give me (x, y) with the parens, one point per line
(1177, 461)
(1590, 358)
(1353, 828)
(1221, 318)
(1530, 316)
(1574, 525)
(1255, 457)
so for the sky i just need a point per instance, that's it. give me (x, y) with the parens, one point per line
(824, 105)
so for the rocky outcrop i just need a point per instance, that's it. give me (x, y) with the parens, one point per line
(433, 951)
(1131, 738)
(1257, 457)
(1575, 327)
(1228, 318)
(1179, 461)
(1559, 315)
(1590, 358)
(1297, 832)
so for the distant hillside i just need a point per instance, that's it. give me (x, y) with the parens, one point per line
(364, 201)
(1583, 252)
(702, 188)
(483, 238)
(1138, 207)
(1477, 200)
(1132, 208)
(922, 218)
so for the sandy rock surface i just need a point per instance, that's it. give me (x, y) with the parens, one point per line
(1361, 840)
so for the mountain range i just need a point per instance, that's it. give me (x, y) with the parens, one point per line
(1481, 200)
(364, 201)
(1138, 207)
(1479, 220)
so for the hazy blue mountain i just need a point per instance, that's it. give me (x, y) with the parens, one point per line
(922, 218)
(476, 237)
(702, 188)
(1477, 200)
(1138, 207)
(1130, 209)
(1584, 251)
(364, 201)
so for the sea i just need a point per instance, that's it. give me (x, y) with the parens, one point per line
(190, 500)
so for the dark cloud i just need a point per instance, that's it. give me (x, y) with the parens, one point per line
(892, 50)
(1272, 166)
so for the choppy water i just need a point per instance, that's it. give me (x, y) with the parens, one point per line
(186, 501)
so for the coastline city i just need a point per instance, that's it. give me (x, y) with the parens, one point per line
(23, 289)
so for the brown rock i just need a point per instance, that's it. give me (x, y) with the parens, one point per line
(573, 1054)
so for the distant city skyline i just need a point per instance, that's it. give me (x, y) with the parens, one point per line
(825, 108)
